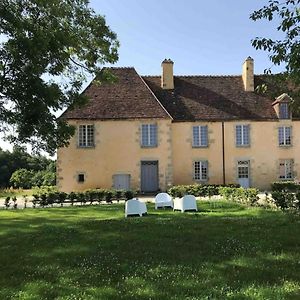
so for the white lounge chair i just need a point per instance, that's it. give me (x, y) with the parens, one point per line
(163, 200)
(188, 202)
(135, 207)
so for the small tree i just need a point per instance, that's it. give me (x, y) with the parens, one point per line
(21, 179)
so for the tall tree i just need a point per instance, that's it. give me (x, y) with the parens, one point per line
(48, 48)
(286, 51)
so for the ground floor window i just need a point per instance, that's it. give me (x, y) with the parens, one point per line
(80, 178)
(201, 170)
(286, 169)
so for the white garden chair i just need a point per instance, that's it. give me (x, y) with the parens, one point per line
(135, 207)
(188, 202)
(163, 200)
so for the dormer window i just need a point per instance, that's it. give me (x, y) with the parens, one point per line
(284, 112)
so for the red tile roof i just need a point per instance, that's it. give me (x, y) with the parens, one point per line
(127, 98)
(210, 98)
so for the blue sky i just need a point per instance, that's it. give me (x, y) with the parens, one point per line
(201, 37)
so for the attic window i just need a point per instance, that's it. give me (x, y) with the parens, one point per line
(284, 111)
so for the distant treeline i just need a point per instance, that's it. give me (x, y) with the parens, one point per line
(21, 169)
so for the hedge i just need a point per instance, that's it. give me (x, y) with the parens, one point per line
(49, 196)
(198, 190)
(247, 196)
(285, 186)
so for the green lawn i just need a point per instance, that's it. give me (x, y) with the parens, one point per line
(225, 251)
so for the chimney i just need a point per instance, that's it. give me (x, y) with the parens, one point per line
(248, 74)
(167, 78)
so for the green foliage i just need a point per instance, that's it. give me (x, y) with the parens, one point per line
(43, 41)
(247, 196)
(287, 186)
(21, 178)
(129, 194)
(198, 190)
(282, 200)
(43, 169)
(286, 50)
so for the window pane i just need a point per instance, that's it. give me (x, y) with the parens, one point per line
(149, 135)
(200, 170)
(90, 135)
(204, 168)
(153, 135)
(239, 135)
(281, 135)
(197, 170)
(203, 131)
(286, 169)
(196, 137)
(288, 135)
(246, 140)
(283, 111)
(145, 135)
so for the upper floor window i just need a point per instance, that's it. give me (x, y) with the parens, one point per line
(286, 169)
(284, 136)
(200, 136)
(149, 135)
(284, 112)
(242, 135)
(201, 170)
(86, 136)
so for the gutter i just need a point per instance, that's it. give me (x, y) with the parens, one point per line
(223, 153)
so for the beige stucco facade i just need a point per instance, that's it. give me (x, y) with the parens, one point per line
(118, 151)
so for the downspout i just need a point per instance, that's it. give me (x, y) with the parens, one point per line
(223, 153)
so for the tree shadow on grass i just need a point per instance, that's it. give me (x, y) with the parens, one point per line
(96, 253)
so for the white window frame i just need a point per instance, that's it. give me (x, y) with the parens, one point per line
(88, 141)
(199, 175)
(282, 133)
(148, 134)
(199, 144)
(288, 164)
(243, 144)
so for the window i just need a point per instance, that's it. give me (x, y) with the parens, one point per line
(80, 178)
(149, 135)
(200, 136)
(286, 169)
(242, 135)
(284, 136)
(201, 170)
(284, 111)
(86, 136)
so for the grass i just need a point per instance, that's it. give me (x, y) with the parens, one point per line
(14, 192)
(225, 251)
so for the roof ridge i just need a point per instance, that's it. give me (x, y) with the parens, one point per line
(209, 76)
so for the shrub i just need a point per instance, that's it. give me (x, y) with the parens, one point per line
(248, 196)
(198, 190)
(285, 186)
(128, 194)
(119, 194)
(21, 179)
(7, 202)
